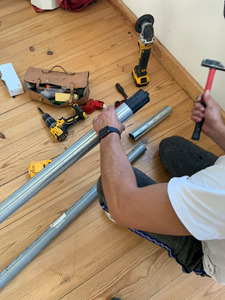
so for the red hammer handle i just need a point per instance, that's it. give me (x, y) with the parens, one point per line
(198, 126)
(210, 79)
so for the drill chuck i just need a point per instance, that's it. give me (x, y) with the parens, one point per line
(49, 121)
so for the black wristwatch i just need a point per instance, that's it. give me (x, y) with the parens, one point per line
(106, 130)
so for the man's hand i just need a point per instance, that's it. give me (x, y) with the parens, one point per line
(108, 117)
(213, 122)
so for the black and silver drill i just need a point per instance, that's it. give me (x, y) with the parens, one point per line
(59, 127)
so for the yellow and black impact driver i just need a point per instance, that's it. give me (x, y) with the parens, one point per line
(59, 127)
(144, 26)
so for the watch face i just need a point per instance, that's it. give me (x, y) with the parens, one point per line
(103, 131)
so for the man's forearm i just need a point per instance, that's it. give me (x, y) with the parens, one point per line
(147, 208)
(219, 137)
(116, 171)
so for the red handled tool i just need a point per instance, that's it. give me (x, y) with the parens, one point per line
(213, 65)
(121, 90)
(92, 105)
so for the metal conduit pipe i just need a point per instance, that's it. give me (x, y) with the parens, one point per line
(67, 159)
(150, 123)
(57, 227)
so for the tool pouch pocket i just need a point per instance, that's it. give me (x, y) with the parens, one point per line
(43, 85)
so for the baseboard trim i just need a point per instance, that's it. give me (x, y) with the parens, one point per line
(167, 60)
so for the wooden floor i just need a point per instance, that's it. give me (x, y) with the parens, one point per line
(93, 258)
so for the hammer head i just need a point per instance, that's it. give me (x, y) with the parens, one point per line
(213, 64)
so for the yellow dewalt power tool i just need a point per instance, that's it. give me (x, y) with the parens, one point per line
(59, 127)
(144, 26)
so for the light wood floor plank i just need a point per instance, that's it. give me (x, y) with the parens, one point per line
(79, 257)
(28, 23)
(190, 287)
(141, 272)
(10, 6)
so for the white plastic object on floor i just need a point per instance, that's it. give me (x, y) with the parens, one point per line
(11, 80)
(45, 4)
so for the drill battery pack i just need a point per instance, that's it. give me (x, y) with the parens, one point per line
(43, 84)
(36, 166)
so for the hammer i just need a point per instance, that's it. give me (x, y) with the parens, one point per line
(213, 65)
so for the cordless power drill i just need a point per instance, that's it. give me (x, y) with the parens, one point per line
(144, 26)
(59, 127)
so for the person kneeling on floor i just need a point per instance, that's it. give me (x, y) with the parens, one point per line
(185, 216)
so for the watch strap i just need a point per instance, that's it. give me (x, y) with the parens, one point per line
(106, 130)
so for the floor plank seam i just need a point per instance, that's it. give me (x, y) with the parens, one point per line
(173, 78)
(58, 26)
(156, 103)
(158, 137)
(125, 253)
(5, 112)
(13, 179)
(49, 201)
(165, 285)
(37, 16)
(56, 37)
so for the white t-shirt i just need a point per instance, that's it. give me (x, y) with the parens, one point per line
(199, 202)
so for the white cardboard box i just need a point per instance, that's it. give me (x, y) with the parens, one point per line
(45, 4)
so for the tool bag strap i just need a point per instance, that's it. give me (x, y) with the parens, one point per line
(71, 93)
(49, 71)
(38, 83)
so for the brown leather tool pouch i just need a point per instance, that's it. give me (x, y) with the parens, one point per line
(74, 84)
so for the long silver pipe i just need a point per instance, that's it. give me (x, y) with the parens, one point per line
(57, 227)
(67, 159)
(150, 123)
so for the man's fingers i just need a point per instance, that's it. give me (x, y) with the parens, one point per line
(208, 99)
(198, 113)
(104, 111)
(111, 108)
(108, 117)
(196, 119)
(199, 98)
(199, 106)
